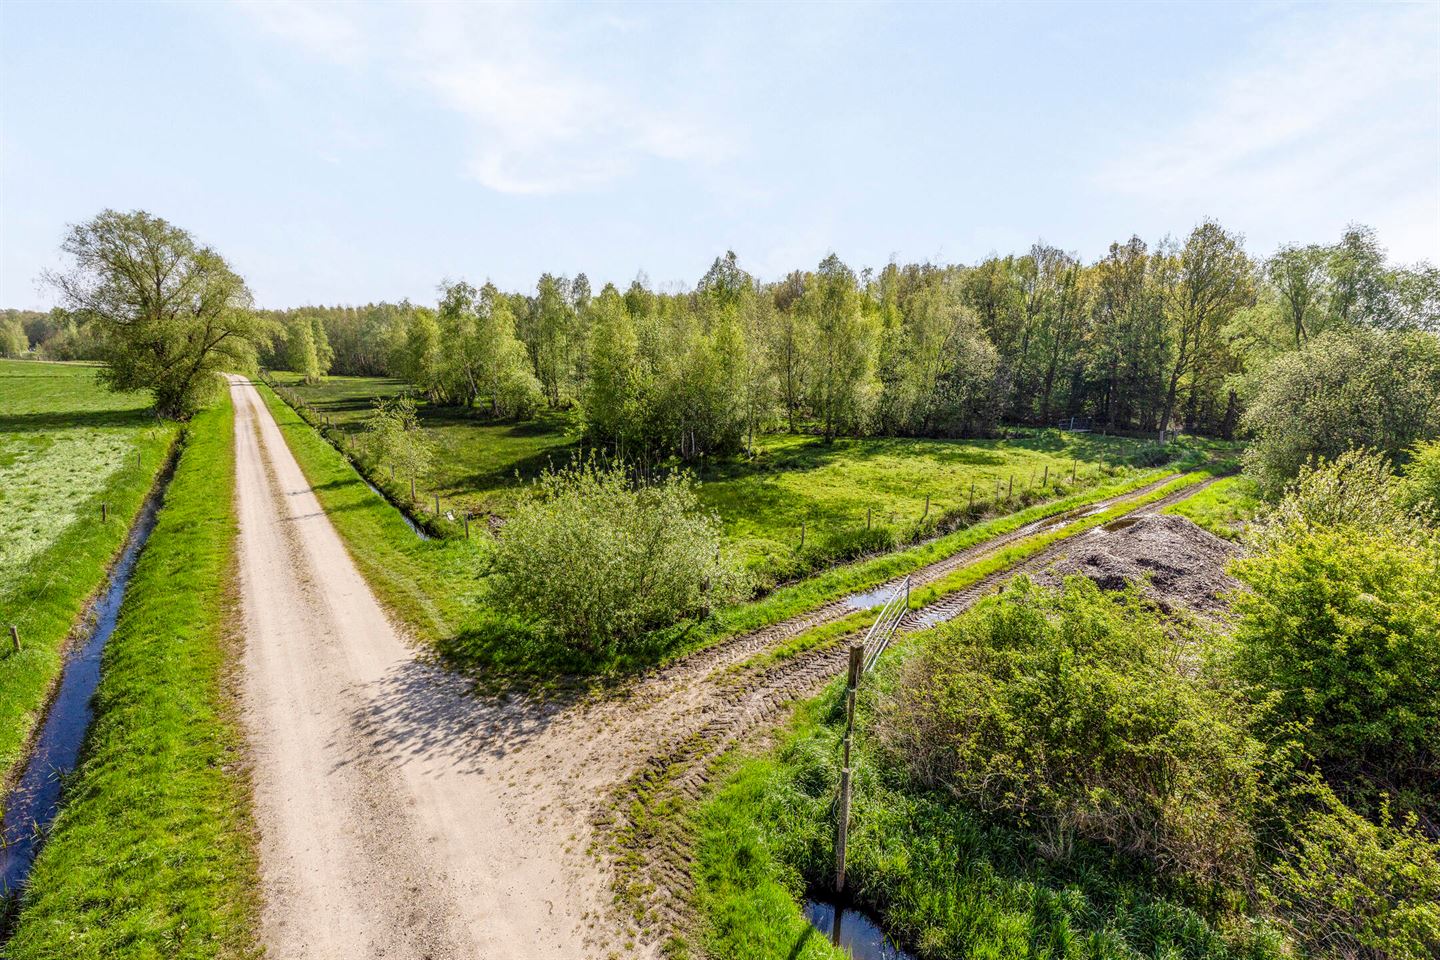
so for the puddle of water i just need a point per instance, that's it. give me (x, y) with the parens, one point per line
(34, 800)
(852, 931)
(870, 599)
(403, 515)
(925, 619)
(1114, 526)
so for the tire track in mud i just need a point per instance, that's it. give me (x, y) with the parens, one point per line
(653, 876)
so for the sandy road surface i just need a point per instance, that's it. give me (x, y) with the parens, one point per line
(404, 815)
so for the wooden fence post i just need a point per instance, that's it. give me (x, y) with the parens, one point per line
(1045, 480)
(15, 637)
(104, 511)
(842, 819)
(1072, 471)
(412, 489)
(437, 504)
(467, 525)
(972, 496)
(1010, 490)
(927, 508)
(802, 534)
(867, 518)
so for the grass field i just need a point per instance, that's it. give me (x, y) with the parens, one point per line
(437, 586)
(761, 502)
(150, 855)
(67, 445)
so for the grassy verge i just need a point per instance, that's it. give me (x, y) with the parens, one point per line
(151, 854)
(1223, 508)
(946, 880)
(66, 447)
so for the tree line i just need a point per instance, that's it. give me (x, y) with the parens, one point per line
(1143, 339)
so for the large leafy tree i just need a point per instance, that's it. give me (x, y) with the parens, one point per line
(171, 312)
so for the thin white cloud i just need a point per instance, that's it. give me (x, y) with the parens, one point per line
(1321, 114)
(324, 30)
(537, 121)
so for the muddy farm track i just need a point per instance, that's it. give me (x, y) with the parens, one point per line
(403, 814)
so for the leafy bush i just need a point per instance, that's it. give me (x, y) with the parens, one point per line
(1348, 887)
(1343, 623)
(597, 560)
(1419, 491)
(1074, 714)
(1343, 389)
(1356, 488)
(393, 436)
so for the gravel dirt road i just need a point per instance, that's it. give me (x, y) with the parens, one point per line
(402, 814)
(393, 820)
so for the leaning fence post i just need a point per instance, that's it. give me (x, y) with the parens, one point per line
(927, 507)
(1045, 480)
(1010, 490)
(842, 819)
(15, 637)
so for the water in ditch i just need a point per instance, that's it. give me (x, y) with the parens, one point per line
(403, 515)
(852, 931)
(33, 801)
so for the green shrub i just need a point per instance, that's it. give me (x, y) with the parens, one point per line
(1419, 491)
(1343, 389)
(1343, 623)
(597, 560)
(1356, 488)
(1076, 714)
(1348, 887)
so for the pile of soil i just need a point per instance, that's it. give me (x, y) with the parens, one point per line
(1179, 565)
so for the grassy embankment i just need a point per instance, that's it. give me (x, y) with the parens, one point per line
(151, 854)
(67, 445)
(762, 501)
(944, 876)
(1223, 508)
(437, 586)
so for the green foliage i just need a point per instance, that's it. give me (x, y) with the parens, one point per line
(394, 437)
(300, 352)
(13, 340)
(1343, 623)
(947, 881)
(172, 337)
(1356, 488)
(1347, 388)
(1419, 490)
(1350, 887)
(1068, 713)
(151, 854)
(597, 559)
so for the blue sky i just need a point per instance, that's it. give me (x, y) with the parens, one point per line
(346, 153)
